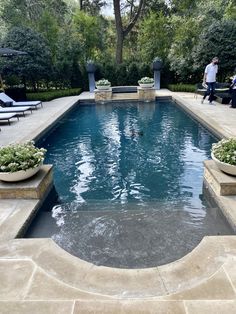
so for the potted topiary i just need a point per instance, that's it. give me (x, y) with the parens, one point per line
(146, 82)
(103, 84)
(224, 155)
(20, 161)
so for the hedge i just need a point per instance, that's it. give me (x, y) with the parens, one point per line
(189, 88)
(52, 94)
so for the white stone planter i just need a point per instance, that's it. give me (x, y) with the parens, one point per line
(103, 87)
(18, 175)
(148, 85)
(227, 168)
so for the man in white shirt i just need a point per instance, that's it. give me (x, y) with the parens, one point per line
(209, 79)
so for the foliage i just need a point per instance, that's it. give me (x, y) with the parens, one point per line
(225, 151)
(154, 37)
(223, 45)
(133, 74)
(103, 82)
(20, 157)
(36, 64)
(182, 88)
(89, 32)
(146, 80)
(52, 94)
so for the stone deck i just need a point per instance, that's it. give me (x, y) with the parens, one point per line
(37, 276)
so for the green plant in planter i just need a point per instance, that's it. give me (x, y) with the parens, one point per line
(103, 82)
(225, 151)
(146, 80)
(16, 157)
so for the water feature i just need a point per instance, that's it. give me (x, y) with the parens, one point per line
(129, 179)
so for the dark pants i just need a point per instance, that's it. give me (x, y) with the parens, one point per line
(233, 98)
(210, 91)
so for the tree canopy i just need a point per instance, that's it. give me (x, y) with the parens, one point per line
(61, 35)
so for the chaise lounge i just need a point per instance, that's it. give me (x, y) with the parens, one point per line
(8, 101)
(8, 116)
(16, 111)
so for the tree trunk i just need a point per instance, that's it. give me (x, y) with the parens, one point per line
(120, 31)
(119, 48)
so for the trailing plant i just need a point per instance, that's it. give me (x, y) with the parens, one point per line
(16, 157)
(225, 151)
(103, 82)
(146, 80)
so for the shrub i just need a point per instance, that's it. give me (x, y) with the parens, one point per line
(225, 151)
(189, 88)
(103, 82)
(52, 94)
(18, 157)
(146, 80)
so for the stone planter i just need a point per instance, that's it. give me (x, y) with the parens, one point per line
(157, 64)
(18, 175)
(147, 85)
(227, 168)
(103, 87)
(90, 67)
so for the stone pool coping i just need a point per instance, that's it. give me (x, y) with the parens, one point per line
(37, 274)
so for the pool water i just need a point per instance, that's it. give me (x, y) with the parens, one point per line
(129, 178)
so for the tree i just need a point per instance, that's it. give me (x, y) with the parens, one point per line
(93, 7)
(90, 33)
(154, 38)
(28, 13)
(123, 30)
(37, 64)
(217, 40)
(180, 54)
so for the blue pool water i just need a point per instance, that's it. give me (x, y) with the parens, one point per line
(129, 179)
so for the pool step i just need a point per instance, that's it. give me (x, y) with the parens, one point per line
(123, 96)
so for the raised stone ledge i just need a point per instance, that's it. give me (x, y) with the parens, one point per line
(103, 95)
(33, 188)
(221, 183)
(146, 94)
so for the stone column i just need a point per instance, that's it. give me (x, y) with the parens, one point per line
(102, 96)
(91, 68)
(157, 66)
(146, 94)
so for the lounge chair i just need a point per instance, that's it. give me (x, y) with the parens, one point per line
(8, 116)
(8, 101)
(220, 88)
(17, 110)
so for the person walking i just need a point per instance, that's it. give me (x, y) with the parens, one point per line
(233, 92)
(209, 79)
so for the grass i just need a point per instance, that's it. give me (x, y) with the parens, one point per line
(189, 88)
(52, 94)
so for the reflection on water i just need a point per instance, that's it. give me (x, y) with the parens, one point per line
(129, 178)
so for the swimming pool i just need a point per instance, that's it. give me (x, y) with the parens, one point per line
(129, 179)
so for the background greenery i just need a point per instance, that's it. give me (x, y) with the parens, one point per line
(60, 36)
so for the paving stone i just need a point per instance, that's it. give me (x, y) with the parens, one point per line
(210, 307)
(129, 307)
(221, 183)
(32, 188)
(217, 287)
(124, 283)
(14, 278)
(198, 265)
(44, 287)
(36, 307)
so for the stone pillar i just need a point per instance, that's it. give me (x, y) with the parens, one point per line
(157, 79)
(157, 66)
(102, 96)
(146, 94)
(91, 68)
